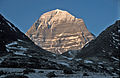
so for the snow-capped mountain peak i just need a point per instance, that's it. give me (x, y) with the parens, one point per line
(58, 31)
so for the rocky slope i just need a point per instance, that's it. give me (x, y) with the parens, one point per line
(17, 50)
(58, 31)
(101, 54)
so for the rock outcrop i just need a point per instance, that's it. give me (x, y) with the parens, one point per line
(58, 31)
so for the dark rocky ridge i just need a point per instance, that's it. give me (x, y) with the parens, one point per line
(58, 31)
(107, 42)
(102, 53)
(18, 51)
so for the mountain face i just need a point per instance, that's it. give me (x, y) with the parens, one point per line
(17, 50)
(102, 53)
(58, 31)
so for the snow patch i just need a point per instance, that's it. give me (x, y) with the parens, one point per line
(110, 68)
(70, 52)
(115, 34)
(67, 58)
(22, 48)
(0, 30)
(19, 53)
(29, 56)
(116, 39)
(100, 62)
(116, 47)
(53, 54)
(103, 50)
(63, 63)
(88, 61)
(100, 66)
(115, 58)
(113, 41)
(13, 43)
(20, 40)
(58, 10)
(18, 48)
(118, 31)
(78, 59)
(8, 50)
(9, 46)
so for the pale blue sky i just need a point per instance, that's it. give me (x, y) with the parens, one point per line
(97, 14)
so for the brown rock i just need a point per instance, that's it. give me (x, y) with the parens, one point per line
(58, 31)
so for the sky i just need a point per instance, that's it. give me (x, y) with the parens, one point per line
(97, 14)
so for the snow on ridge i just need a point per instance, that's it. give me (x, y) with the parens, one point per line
(87, 45)
(10, 25)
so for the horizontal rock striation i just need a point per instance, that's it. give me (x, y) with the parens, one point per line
(58, 31)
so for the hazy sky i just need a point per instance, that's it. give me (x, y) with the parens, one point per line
(97, 14)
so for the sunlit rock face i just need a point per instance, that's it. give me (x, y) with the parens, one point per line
(58, 31)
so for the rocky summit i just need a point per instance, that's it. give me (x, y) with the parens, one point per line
(58, 31)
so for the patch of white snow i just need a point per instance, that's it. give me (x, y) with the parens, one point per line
(118, 31)
(88, 61)
(63, 63)
(13, 43)
(19, 53)
(115, 58)
(78, 59)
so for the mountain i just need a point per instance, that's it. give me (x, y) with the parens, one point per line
(58, 31)
(101, 54)
(21, 58)
(17, 50)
